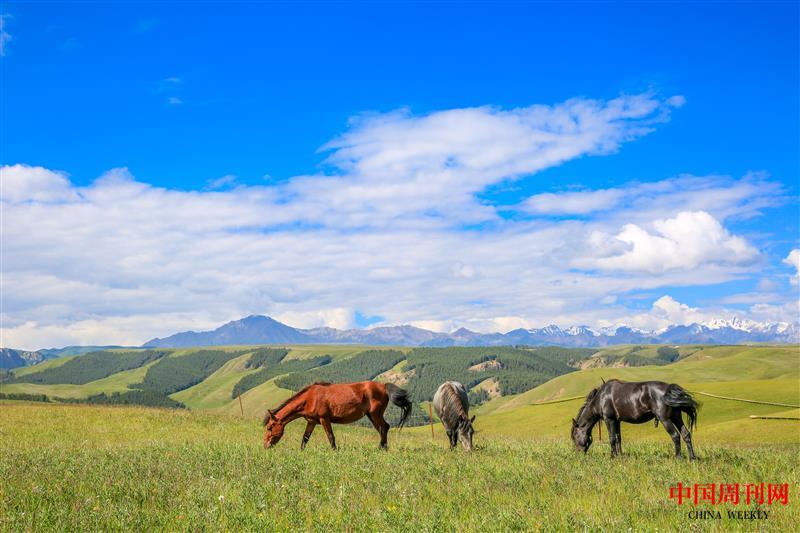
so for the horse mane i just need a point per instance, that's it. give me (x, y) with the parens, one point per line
(589, 398)
(292, 397)
(452, 408)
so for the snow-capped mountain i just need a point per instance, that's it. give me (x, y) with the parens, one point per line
(265, 330)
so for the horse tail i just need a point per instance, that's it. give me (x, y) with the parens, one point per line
(677, 397)
(399, 397)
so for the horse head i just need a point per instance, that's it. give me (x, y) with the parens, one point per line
(273, 429)
(465, 432)
(582, 428)
(581, 436)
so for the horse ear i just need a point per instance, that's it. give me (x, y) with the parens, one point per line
(271, 414)
(574, 423)
(471, 420)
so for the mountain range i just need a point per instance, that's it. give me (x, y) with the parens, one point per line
(257, 329)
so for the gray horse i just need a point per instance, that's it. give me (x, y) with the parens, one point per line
(452, 408)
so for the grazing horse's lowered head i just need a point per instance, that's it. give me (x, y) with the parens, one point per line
(273, 429)
(582, 428)
(465, 432)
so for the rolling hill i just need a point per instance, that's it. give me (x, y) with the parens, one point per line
(203, 378)
(508, 384)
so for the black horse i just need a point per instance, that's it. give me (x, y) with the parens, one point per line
(618, 401)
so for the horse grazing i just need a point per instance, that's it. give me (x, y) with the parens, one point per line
(345, 403)
(618, 401)
(452, 408)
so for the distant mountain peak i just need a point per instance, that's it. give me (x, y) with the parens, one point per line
(260, 329)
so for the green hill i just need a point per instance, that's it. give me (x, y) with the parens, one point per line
(204, 379)
(762, 373)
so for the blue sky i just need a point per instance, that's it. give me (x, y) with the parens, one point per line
(240, 107)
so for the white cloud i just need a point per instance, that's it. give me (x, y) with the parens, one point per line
(674, 312)
(579, 203)
(339, 318)
(22, 183)
(793, 260)
(788, 312)
(686, 241)
(220, 183)
(122, 261)
(5, 37)
(721, 196)
(174, 100)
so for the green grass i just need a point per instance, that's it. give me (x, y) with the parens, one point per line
(78, 468)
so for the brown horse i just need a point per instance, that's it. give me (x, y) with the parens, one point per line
(344, 403)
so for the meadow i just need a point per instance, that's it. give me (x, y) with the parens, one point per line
(74, 467)
(79, 467)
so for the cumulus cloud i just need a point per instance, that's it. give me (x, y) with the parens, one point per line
(340, 318)
(386, 231)
(674, 312)
(22, 183)
(793, 260)
(688, 240)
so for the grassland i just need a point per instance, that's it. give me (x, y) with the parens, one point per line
(770, 374)
(76, 468)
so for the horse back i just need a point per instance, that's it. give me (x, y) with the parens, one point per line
(344, 401)
(632, 401)
(450, 401)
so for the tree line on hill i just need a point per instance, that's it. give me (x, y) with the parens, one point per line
(515, 369)
(363, 366)
(91, 367)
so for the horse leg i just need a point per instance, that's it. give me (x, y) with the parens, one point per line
(326, 425)
(612, 436)
(382, 427)
(687, 436)
(310, 425)
(384, 433)
(451, 436)
(676, 437)
(618, 435)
